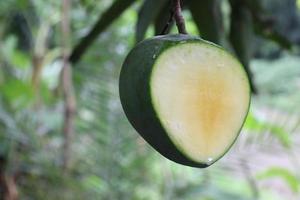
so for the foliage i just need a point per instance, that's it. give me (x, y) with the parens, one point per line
(284, 174)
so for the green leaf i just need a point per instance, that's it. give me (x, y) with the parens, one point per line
(147, 14)
(207, 16)
(254, 124)
(17, 92)
(241, 36)
(95, 183)
(284, 174)
(282, 135)
(12, 55)
(20, 60)
(8, 46)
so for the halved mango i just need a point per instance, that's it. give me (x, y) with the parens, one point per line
(187, 97)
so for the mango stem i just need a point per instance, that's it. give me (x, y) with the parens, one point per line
(178, 17)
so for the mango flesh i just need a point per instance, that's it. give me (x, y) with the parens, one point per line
(201, 95)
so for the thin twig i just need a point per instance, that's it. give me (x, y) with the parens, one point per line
(166, 28)
(179, 18)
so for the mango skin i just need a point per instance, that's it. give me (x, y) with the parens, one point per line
(134, 89)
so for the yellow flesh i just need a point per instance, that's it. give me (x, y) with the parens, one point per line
(201, 95)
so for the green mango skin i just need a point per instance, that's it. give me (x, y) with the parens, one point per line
(134, 88)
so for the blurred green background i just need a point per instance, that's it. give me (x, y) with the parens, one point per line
(64, 136)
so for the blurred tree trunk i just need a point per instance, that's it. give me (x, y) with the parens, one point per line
(67, 84)
(37, 64)
(39, 52)
(8, 186)
(69, 113)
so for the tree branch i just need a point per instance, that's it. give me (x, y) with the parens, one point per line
(116, 9)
